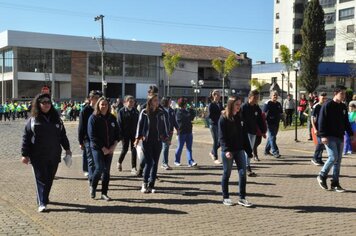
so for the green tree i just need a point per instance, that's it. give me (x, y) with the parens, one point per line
(224, 68)
(170, 63)
(257, 84)
(313, 35)
(288, 60)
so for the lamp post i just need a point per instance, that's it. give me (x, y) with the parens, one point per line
(196, 86)
(296, 69)
(103, 81)
(282, 74)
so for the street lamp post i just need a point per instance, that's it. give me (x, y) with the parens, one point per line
(296, 69)
(103, 81)
(282, 73)
(196, 86)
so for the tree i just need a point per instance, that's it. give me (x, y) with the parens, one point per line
(257, 84)
(313, 36)
(288, 60)
(170, 63)
(224, 68)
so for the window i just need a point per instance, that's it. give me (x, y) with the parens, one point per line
(273, 80)
(350, 29)
(350, 46)
(327, 3)
(340, 81)
(329, 18)
(329, 51)
(297, 39)
(330, 34)
(140, 66)
(322, 80)
(1, 60)
(276, 60)
(277, 1)
(349, 61)
(34, 60)
(276, 46)
(277, 30)
(341, 1)
(299, 8)
(277, 16)
(113, 64)
(297, 23)
(346, 14)
(63, 62)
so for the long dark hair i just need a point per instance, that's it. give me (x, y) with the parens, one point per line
(149, 108)
(36, 107)
(228, 112)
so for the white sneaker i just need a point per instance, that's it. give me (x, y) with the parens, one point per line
(244, 202)
(41, 208)
(86, 174)
(217, 162)
(144, 188)
(133, 171)
(166, 167)
(227, 202)
(176, 163)
(193, 164)
(349, 152)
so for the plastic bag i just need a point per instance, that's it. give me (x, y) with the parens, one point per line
(68, 160)
(139, 151)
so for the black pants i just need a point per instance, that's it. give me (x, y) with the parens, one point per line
(44, 174)
(125, 147)
(152, 151)
(257, 143)
(1, 114)
(102, 170)
(6, 116)
(289, 116)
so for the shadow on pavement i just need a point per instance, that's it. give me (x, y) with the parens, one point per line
(312, 209)
(70, 207)
(171, 201)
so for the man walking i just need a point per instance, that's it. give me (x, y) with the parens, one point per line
(215, 109)
(288, 108)
(333, 122)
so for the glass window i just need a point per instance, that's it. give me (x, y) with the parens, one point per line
(329, 51)
(140, 66)
(322, 80)
(350, 46)
(297, 24)
(330, 34)
(297, 39)
(1, 60)
(9, 60)
(349, 61)
(341, 1)
(299, 8)
(63, 62)
(346, 14)
(276, 60)
(327, 3)
(277, 1)
(95, 64)
(277, 30)
(277, 15)
(340, 81)
(350, 29)
(273, 80)
(113, 64)
(329, 18)
(276, 46)
(34, 60)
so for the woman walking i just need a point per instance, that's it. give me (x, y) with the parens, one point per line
(103, 132)
(152, 130)
(234, 143)
(42, 143)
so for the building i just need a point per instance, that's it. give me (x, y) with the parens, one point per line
(330, 75)
(71, 66)
(339, 26)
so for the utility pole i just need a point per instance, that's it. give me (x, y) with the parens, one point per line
(103, 81)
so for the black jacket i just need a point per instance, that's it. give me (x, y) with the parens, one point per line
(43, 139)
(103, 131)
(127, 121)
(214, 110)
(252, 116)
(143, 126)
(333, 120)
(273, 112)
(233, 136)
(184, 119)
(83, 123)
(170, 119)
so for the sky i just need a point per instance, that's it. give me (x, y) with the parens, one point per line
(239, 25)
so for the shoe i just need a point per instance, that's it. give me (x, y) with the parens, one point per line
(119, 166)
(176, 163)
(277, 155)
(315, 162)
(139, 173)
(144, 188)
(255, 158)
(217, 162)
(268, 154)
(228, 202)
(321, 162)
(166, 167)
(105, 197)
(337, 188)
(86, 174)
(133, 171)
(212, 156)
(322, 182)
(251, 174)
(92, 192)
(192, 164)
(244, 202)
(42, 208)
(310, 139)
(349, 152)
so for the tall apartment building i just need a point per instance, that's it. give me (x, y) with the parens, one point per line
(339, 25)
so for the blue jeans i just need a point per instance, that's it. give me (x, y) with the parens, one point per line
(334, 149)
(102, 170)
(240, 160)
(216, 145)
(188, 139)
(89, 160)
(85, 161)
(348, 146)
(165, 150)
(272, 131)
(151, 151)
(318, 150)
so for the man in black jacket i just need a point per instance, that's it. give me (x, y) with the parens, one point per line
(88, 163)
(333, 122)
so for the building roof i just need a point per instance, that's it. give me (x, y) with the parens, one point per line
(325, 68)
(195, 52)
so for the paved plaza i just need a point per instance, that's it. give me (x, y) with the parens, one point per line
(287, 198)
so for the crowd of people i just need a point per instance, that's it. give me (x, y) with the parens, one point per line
(237, 130)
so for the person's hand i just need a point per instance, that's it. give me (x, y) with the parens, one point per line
(324, 140)
(105, 151)
(81, 146)
(228, 155)
(25, 160)
(315, 132)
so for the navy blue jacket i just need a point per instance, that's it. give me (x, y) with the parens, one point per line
(252, 116)
(333, 120)
(171, 120)
(83, 123)
(233, 135)
(184, 119)
(103, 131)
(44, 141)
(143, 125)
(273, 112)
(214, 112)
(127, 121)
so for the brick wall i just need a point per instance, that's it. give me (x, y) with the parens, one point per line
(79, 74)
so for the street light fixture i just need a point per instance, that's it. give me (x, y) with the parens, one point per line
(103, 81)
(196, 86)
(282, 74)
(296, 66)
